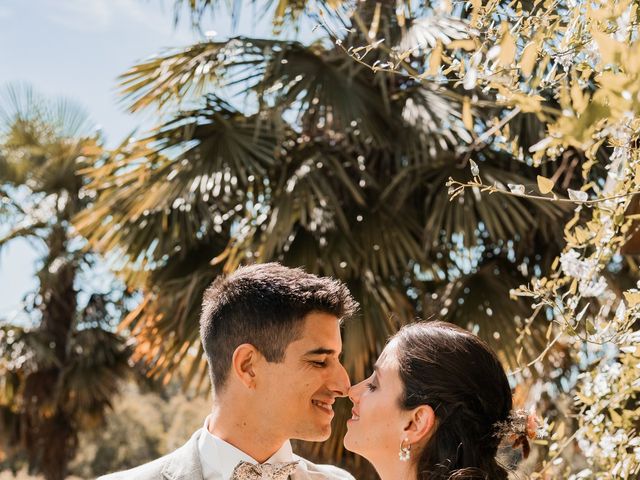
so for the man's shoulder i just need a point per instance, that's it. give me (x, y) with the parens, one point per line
(148, 471)
(183, 462)
(328, 472)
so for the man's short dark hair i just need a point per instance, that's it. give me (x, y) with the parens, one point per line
(264, 305)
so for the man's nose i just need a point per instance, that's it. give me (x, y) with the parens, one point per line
(341, 382)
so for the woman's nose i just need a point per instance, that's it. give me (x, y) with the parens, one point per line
(354, 392)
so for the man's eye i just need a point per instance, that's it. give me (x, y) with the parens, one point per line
(319, 364)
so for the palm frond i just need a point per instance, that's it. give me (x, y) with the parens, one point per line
(165, 325)
(23, 350)
(480, 301)
(181, 185)
(321, 88)
(98, 362)
(28, 119)
(186, 74)
(435, 115)
(471, 214)
(44, 142)
(20, 103)
(328, 94)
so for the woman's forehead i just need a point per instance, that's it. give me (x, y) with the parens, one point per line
(388, 358)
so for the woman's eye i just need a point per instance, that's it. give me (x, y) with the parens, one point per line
(371, 386)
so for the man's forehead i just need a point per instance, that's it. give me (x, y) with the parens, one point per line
(320, 334)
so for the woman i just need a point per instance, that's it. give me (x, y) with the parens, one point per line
(436, 407)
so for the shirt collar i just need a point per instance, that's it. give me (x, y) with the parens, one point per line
(221, 458)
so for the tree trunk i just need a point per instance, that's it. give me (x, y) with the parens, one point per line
(52, 435)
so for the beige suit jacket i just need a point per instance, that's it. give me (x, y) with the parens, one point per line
(184, 464)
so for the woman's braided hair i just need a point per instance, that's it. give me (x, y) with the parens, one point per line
(460, 377)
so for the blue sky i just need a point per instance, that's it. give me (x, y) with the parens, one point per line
(77, 49)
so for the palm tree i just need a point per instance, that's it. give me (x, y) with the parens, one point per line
(59, 369)
(320, 162)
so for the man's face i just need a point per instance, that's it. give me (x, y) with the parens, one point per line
(299, 392)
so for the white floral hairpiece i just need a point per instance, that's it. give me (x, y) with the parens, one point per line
(519, 428)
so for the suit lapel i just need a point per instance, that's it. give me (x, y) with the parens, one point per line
(184, 463)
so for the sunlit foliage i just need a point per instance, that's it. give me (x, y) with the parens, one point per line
(574, 66)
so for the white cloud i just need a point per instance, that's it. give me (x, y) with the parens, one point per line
(104, 15)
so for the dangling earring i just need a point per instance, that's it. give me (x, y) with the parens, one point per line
(405, 450)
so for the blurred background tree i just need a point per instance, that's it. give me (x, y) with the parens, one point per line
(143, 425)
(60, 365)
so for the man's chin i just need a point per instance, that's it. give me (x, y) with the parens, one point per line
(320, 435)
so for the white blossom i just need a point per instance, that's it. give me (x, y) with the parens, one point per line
(600, 388)
(470, 78)
(586, 473)
(475, 171)
(573, 266)
(518, 189)
(593, 288)
(577, 195)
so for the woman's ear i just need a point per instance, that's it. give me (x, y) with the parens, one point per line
(421, 425)
(243, 364)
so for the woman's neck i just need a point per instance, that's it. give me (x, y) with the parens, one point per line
(396, 470)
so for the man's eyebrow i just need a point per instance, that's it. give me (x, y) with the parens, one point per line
(321, 351)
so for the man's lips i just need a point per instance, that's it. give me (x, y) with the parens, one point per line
(327, 407)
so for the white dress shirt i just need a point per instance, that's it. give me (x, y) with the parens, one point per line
(219, 458)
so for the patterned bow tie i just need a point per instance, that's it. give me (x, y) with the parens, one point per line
(275, 471)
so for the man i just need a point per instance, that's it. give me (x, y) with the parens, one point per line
(271, 335)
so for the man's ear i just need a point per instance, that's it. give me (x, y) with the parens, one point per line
(421, 424)
(243, 364)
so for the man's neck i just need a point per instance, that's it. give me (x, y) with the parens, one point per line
(239, 429)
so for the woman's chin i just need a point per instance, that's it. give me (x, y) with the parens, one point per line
(348, 442)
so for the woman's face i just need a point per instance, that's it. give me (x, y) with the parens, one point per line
(376, 427)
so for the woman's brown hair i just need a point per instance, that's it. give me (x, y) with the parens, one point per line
(460, 377)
